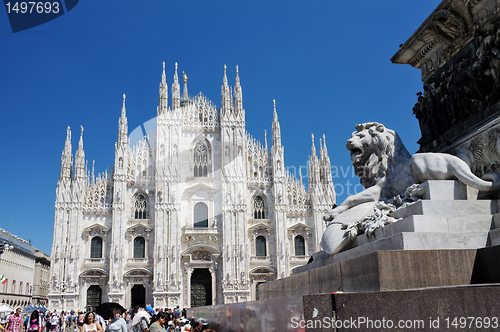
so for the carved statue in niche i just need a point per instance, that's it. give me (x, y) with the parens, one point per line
(389, 172)
(118, 194)
(70, 279)
(55, 280)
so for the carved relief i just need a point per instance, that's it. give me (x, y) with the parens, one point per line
(467, 84)
(201, 256)
(482, 153)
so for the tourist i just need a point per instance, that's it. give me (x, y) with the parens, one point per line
(176, 313)
(62, 318)
(54, 321)
(89, 324)
(159, 324)
(35, 322)
(47, 321)
(15, 322)
(100, 320)
(117, 323)
(81, 319)
(70, 322)
(140, 320)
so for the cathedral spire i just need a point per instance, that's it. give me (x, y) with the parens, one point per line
(67, 157)
(163, 102)
(80, 143)
(326, 165)
(313, 167)
(225, 94)
(313, 148)
(185, 96)
(324, 143)
(265, 141)
(163, 76)
(320, 148)
(80, 158)
(224, 80)
(176, 91)
(122, 125)
(238, 97)
(276, 127)
(67, 143)
(92, 177)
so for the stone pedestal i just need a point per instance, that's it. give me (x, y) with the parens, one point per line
(435, 243)
(429, 309)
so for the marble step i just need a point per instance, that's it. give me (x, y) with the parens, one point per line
(416, 241)
(459, 207)
(429, 223)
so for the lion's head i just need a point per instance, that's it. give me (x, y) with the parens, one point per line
(374, 150)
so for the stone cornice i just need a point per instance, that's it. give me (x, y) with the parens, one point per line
(450, 26)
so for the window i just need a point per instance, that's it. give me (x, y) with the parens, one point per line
(300, 248)
(5, 285)
(200, 215)
(258, 208)
(260, 246)
(201, 160)
(139, 247)
(140, 206)
(13, 290)
(96, 247)
(20, 287)
(27, 288)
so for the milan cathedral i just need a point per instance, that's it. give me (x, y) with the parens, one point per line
(197, 212)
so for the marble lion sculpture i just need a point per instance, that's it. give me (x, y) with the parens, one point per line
(386, 169)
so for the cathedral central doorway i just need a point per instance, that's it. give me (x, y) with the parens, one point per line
(138, 296)
(94, 295)
(201, 288)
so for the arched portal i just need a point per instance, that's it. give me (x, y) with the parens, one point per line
(138, 296)
(201, 288)
(94, 296)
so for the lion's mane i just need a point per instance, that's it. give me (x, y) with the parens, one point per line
(379, 155)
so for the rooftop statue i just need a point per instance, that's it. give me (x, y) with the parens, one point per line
(388, 172)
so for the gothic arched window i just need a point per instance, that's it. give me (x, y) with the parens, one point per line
(140, 206)
(96, 247)
(201, 160)
(260, 246)
(259, 208)
(300, 248)
(139, 247)
(200, 215)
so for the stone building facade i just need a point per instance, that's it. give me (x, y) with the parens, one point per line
(198, 212)
(26, 270)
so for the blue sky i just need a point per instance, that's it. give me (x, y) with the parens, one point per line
(326, 62)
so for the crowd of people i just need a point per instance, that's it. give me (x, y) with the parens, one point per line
(137, 319)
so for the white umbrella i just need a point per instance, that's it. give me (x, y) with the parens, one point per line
(5, 308)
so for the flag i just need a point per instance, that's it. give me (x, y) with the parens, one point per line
(3, 280)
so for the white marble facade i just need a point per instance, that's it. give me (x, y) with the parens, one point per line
(199, 195)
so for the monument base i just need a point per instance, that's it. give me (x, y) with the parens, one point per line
(465, 308)
(438, 263)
